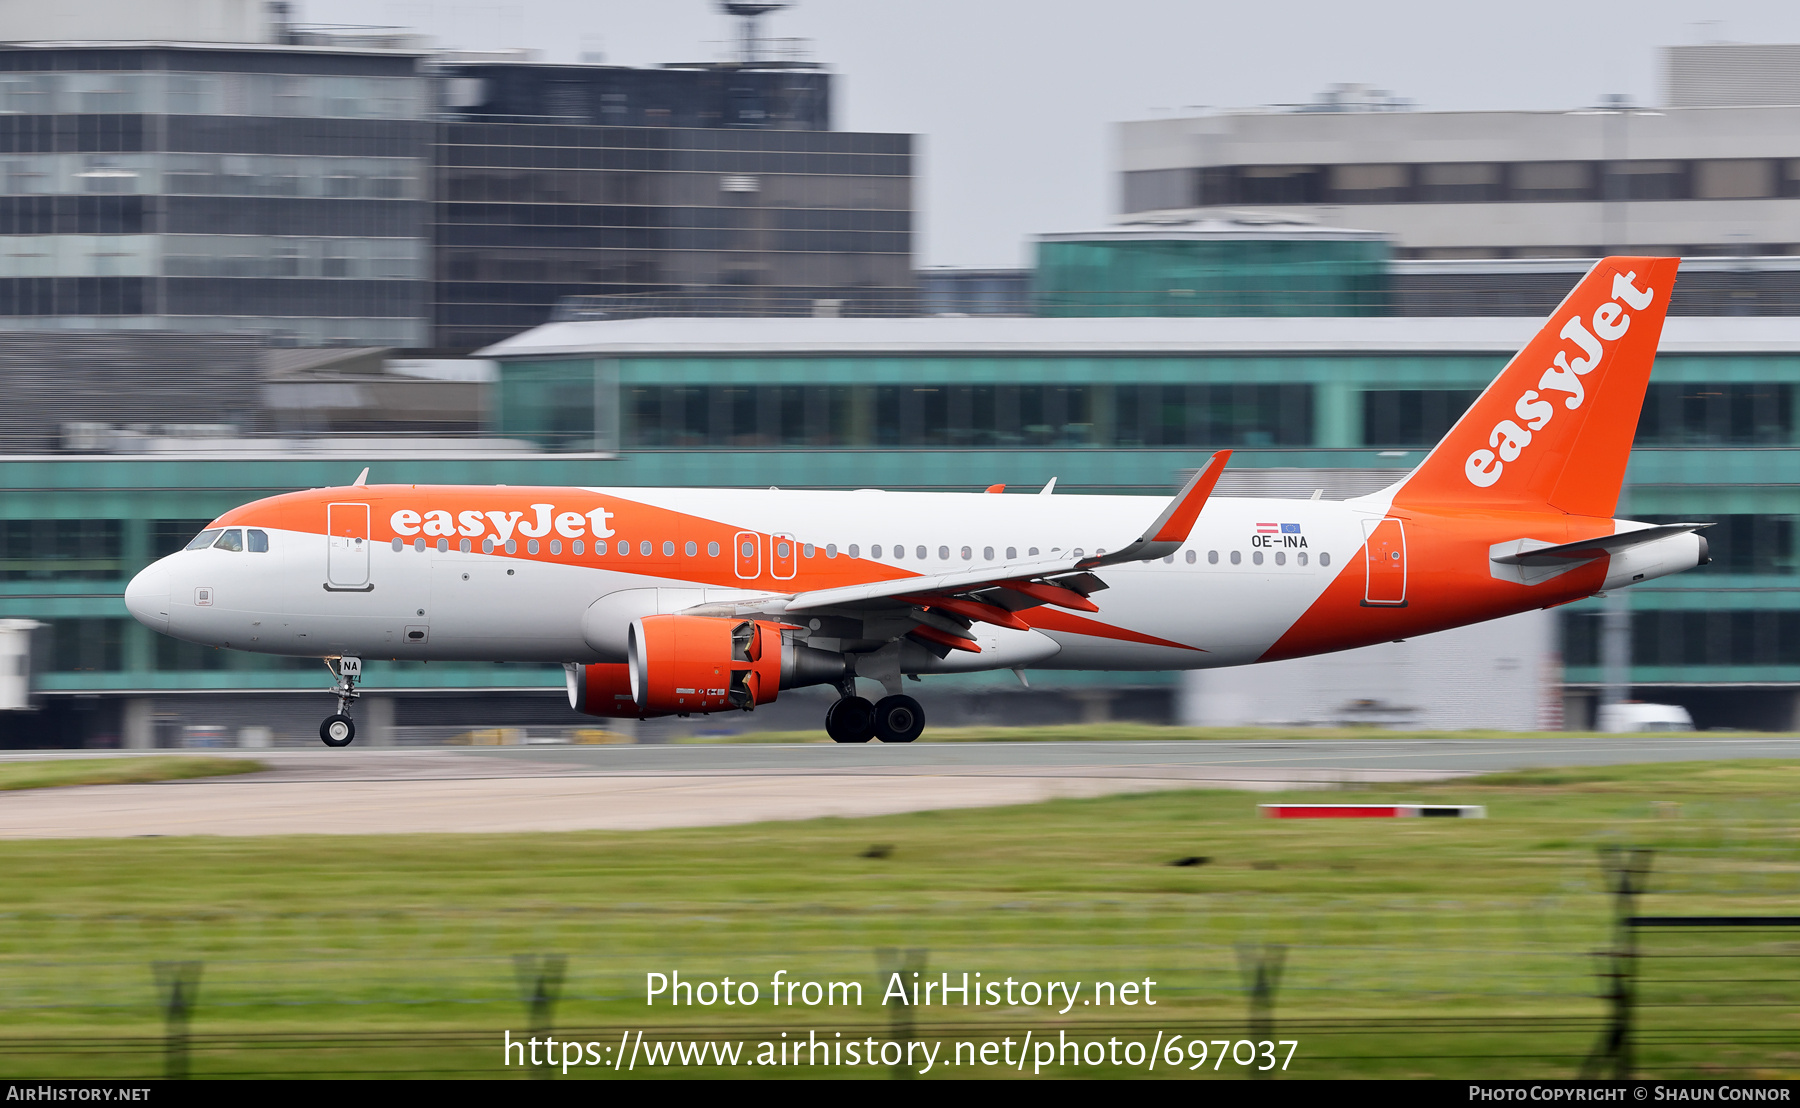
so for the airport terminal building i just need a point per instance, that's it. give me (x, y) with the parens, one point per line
(1340, 404)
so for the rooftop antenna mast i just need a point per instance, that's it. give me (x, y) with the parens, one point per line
(750, 11)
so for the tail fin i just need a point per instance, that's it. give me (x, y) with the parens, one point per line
(1554, 430)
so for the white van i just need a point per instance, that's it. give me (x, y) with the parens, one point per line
(1633, 716)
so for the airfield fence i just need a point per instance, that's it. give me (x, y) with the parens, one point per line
(1404, 985)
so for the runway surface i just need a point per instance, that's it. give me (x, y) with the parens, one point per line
(506, 789)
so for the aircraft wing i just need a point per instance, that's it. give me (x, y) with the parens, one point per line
(946, 604)
(1068, 573)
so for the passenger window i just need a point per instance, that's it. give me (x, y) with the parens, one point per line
(1324, 559)
(987, 553)
(556, 546)
(1301, 557)
(919, 552)
(1012, 552)
(692, 548)
(712, 550)
(1281, 557)
(1191, 558)
(899, 552)
(1212, 557)
(398, 544)
(624, 547)
(1169, 561)
(1236, 558)
(203, 540)
(831, 550)
(259, 542)
(444, 546)
(943, 554)
(782, 549)
(967, 555)
(232, 540)
(806, 550)
(1032, 553)
(1256, 556)
(874, 551)
(854, 554)
(668, 548)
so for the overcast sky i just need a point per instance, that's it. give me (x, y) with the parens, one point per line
(1013, 99)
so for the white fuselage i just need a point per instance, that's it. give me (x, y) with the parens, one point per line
(1227, 595)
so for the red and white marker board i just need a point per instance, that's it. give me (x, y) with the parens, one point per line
(1372, 811)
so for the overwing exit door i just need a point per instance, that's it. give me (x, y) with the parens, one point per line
(746, 555)
(1384, 556)
(347, 546)
(784, 557)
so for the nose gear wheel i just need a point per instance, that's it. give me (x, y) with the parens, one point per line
(338, 730)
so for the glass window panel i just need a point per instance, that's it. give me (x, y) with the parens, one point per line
(1704, 413)
(1646, 180)
(1552, 181)
(1368, 184)
(1734, 178)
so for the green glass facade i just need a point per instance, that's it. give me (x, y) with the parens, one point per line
(1176, 276)
(1721, 445)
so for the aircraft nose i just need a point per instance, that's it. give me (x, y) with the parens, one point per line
(147, 597)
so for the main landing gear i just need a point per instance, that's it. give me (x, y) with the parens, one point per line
(892, 719)
(339, 729)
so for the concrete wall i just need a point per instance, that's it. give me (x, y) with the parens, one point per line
(164, 20)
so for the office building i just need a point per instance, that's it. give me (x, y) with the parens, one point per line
(599, 192)
(242, 188)
(1715, 172)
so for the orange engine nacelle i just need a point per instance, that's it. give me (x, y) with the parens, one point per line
(603, 690)
(698, 664)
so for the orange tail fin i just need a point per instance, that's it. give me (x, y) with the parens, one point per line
(1554, 430)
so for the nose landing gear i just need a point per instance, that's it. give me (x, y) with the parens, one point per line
(340, 729)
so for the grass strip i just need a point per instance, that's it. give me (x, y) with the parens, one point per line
(1413, 948)
(62, 772)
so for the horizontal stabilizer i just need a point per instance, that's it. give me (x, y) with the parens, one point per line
(1588, 549)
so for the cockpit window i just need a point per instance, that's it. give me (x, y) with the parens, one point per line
(203, 540)
(259, 541)
(231, 540)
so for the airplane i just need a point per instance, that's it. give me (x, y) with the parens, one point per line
(691, 601)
